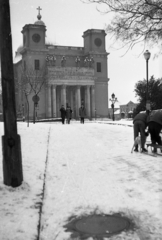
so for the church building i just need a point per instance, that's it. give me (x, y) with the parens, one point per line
(49, 76)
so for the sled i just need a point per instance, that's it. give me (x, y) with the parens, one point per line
(154, 147)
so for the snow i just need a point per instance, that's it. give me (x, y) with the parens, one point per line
(78, 169)
(117, 111)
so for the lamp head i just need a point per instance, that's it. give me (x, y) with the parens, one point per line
(113, 96)
(147, 55)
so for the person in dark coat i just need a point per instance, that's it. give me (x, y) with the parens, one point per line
(63, 114)
(155, 126)
(82, 113)
(139, 125)
(68, 113)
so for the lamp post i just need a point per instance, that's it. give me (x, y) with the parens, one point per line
(35, 99)
(147, 55)
(113, 99)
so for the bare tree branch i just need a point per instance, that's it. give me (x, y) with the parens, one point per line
(133, 19)
(34, 78)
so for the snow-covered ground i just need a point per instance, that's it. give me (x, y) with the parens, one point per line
(81, 169)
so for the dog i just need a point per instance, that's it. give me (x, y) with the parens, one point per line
(137, 141)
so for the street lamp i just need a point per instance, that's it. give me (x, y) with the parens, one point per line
(113, 99)
(147, 55)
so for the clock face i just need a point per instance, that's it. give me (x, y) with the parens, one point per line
(36, 37)
(98, 42)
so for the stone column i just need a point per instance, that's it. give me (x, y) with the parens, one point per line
(88, 102)
(78, 102)
(63, 100)
(93, 100)
(71, 99)
(85, 99)
(49, 101)
(58, 106)
(54, 100)
(75, 102)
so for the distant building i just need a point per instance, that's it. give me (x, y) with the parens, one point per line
(73, 75)
(117, 115)
(122, 111)
(126, 110)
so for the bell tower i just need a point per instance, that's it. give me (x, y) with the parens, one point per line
(94, 41)
(95, 47)
(34, 34)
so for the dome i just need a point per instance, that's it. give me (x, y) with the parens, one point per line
(39, 22)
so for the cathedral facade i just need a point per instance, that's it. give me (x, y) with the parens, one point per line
(49, 76)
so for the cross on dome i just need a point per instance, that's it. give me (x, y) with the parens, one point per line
(39, 21)
(39, 16)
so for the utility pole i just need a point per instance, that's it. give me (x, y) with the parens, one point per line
(11, 143)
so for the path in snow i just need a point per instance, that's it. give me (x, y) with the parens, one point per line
(90, 167)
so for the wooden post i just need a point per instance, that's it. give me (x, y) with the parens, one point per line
(11, 144)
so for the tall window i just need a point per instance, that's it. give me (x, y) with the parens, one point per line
(98, 67)
(37, 64)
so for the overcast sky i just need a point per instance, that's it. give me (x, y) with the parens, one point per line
(66, 20)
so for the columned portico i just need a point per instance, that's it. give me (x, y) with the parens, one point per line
(57, 96)
(74, 88)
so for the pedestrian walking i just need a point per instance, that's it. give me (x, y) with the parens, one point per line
(68, 113)
(139, 126)
(63, 114)
(155, 126)
(82, 113)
